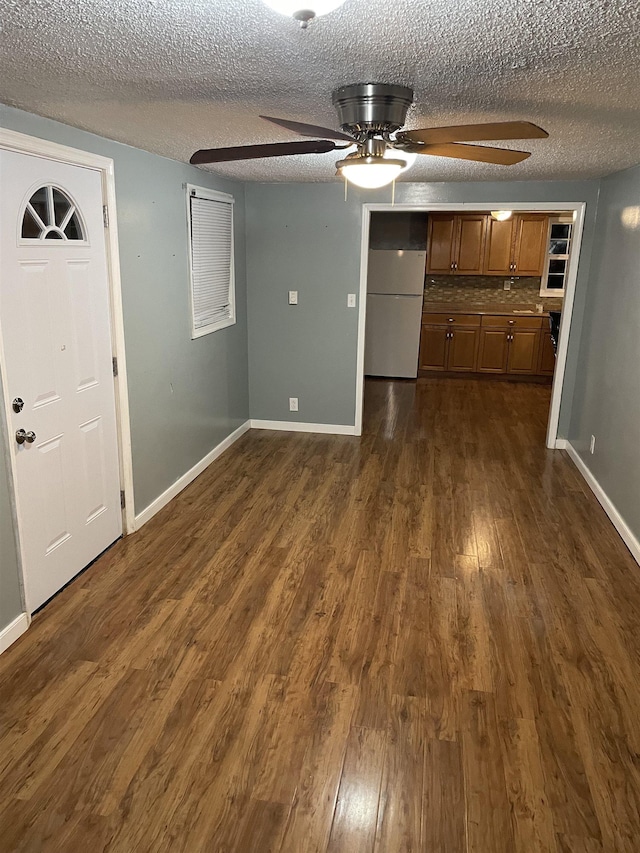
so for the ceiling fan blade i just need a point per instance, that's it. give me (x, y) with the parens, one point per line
(481, 153)
(312, 130)
(475, 132)
(252, 152)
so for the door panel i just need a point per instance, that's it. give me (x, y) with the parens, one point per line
(463, 350)
(531, 243)
(523, 351)
(55, 316)
(547, 357)
(499, 249)
(441, 243)
(471, 245)
(492, 356)
(433, 347)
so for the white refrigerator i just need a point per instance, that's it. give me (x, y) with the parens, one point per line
(395, 285)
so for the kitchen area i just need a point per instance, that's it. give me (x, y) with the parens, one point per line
(466, 293)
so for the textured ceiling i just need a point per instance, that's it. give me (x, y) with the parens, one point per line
(172, 76)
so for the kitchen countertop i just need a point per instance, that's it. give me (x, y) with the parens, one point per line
(524, 310)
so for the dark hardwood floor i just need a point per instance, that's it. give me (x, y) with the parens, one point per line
(424, 640)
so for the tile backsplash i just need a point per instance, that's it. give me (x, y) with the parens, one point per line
(486, 290)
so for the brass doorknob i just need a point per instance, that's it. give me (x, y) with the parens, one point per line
(22, 436)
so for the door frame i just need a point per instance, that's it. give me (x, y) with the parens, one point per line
(578, 208)
(23, 144)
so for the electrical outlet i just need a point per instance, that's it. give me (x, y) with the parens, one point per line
(592, 444)
(351, 300)
(507, 284)
(293, 297)
(293, 404)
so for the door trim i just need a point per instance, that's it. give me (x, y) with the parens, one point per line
(43, 148)
(578, 208)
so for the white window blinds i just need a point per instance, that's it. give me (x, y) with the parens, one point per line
(212, 284)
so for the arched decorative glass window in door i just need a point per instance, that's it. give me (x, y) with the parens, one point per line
(51, 215)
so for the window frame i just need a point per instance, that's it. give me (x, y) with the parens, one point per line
(194, 191)
(560, 219)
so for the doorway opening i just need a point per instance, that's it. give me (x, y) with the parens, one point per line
(506, 283)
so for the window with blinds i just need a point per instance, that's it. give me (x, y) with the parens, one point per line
(211, 260)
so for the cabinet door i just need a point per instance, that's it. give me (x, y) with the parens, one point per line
(547, 357)
(523, 351)
(434, 343)
(469, 257)
(441, 243)
(531, 243)
(493, 351)
(499, 249)
(463, 350)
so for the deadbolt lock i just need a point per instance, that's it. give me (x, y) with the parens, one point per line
(18, 404)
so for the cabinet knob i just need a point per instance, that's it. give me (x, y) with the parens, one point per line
(452, 265)
(451, 319)
(511, 322)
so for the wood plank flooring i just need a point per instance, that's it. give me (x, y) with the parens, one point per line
(424, 640)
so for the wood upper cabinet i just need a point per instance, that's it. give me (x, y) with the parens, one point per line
(531, 242)
(456, 243)
(516, 246)
(499, 248)
(441, 243)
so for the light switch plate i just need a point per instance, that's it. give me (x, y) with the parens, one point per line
(293, 297)
(351, 300)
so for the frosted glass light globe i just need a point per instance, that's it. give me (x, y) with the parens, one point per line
(370, 175)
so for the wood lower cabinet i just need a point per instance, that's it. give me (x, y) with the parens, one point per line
(495, 344)
(434, 345)
(547, 355)
(523, 351)
(494, 350)
(449, 342)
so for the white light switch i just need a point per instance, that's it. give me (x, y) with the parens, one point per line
(293, 297)
(351, 300)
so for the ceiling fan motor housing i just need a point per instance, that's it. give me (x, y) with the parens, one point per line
(372, 107)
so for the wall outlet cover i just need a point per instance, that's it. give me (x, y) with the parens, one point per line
(293, 297)
(507, 284)
(351, 300)
(592, 444)
(293, 404)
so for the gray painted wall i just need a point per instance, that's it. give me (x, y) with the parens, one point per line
(185, 396)
(305, 237)
(607, 394)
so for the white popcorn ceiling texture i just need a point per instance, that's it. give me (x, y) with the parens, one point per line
(172, 76)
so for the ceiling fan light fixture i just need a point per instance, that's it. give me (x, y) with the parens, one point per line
(370, 173)
(501, 215)
(303, 11)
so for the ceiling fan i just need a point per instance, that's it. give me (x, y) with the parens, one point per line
(371, 116)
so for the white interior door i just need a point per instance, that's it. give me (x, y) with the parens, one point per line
(55, 319)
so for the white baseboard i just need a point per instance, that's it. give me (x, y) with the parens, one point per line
(561, 444)
(13, 630)
(175, 489)
(296, 426)
(626, 534)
